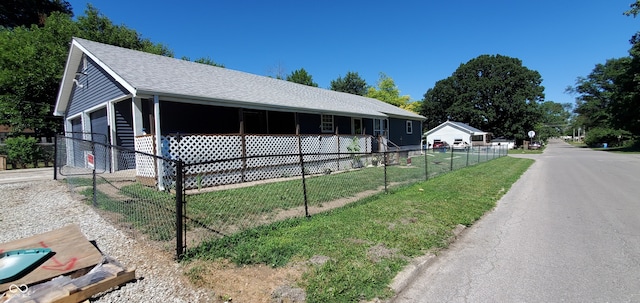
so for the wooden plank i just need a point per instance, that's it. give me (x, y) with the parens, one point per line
(104, 285)
(72, 252)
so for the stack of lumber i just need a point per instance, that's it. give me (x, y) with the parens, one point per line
(76, 272)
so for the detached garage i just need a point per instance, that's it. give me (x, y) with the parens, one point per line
(451, 131)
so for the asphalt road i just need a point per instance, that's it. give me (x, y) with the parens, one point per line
(24, 175)
(567, 231)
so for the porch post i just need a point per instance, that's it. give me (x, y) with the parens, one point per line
(158, 138)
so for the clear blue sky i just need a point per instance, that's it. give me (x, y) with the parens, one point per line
(416, 43)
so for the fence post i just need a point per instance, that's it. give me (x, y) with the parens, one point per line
(179, 211)
(467, 156)
(243, 141)
(426, 164)
(93, 173)
(451, 165)
(55, 157)
(385, 170)
(304, 181)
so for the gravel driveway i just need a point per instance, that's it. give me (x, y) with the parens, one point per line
(34, 207)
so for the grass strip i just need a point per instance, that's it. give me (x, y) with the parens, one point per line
(370, 241)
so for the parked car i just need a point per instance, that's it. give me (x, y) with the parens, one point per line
(437, 144)
(535, 145)
(459, 144)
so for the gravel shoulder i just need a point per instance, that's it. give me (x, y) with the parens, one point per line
(34, 207)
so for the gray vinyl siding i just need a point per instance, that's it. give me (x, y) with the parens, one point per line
(98, 87)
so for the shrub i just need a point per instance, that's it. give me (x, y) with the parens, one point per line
(21, 151)
(598, 135)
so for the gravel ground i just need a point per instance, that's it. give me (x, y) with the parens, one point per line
(30, 208)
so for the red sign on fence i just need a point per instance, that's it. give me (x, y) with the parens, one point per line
(91, 161)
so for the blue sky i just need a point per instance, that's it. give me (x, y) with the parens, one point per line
(416, 42)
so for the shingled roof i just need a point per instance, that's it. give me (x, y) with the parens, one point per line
(147, 74)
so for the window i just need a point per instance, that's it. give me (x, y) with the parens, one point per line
(409, 127)
(380, 127)
(326, 123)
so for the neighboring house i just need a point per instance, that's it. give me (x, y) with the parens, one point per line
(450, 131)
(125, 96)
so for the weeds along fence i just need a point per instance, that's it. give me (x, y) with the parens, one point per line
(183, 207)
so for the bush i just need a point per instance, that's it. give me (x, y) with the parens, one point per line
(599, 135)
(22, 151)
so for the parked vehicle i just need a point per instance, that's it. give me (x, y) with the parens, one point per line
(535, 145)
(459, 144)
(437, 144)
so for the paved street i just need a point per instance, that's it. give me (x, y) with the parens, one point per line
(23, 175)
(567, 231)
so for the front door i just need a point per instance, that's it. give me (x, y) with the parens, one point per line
(356, 126)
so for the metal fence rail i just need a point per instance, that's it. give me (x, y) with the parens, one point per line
(179, 211)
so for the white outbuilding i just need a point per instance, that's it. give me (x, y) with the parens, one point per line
(451, 131)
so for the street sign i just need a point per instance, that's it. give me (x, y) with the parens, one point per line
(531, 134)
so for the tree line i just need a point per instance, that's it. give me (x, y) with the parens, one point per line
(608, 99)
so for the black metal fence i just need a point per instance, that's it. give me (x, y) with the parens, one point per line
(105, 176)
(172, 208)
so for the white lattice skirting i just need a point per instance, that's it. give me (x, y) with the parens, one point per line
(212, 160)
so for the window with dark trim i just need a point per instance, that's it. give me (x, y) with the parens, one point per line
(326, 123)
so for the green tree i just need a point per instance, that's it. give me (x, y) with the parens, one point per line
(625, 110)
(596, 92)
(388, 92)
(494, 93)
(204, 60)
(208, 61)
(302, 77)
(32, 61)
(31, 65)
(352, 83)
(95, 26)
(554, 120)
(15, 13)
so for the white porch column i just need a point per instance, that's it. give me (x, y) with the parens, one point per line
(86, 125)
(158, 137)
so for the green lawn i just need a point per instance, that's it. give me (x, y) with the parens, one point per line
(370, 241)
(247, 207)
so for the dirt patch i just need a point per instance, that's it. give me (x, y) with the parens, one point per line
(255, 283)
(379, 252)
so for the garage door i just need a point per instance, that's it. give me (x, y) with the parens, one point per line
(100, 134)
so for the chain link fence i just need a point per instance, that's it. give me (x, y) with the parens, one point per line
(178, 205)
(106, 177)
(309, 184)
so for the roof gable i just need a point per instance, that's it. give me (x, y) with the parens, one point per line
(148, 74)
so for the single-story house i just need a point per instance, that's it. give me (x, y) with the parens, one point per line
(450, 131)
(127, 96)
